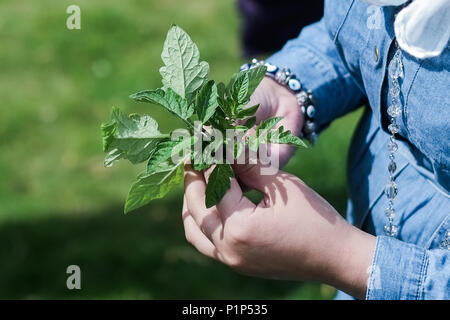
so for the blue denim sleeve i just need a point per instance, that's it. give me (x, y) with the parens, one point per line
(402, 270)
(314, 59)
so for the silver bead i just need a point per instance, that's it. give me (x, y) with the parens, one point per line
(390, 213)
(254, 61)
(393, 128)
(392, 167)
(281, 77)
(394, 90)
(391, 190)
(445, 244)
(310, 126)
(392, 146)
(396, 67)
(391, 230)
(303, 109)
(394, 111)
(302, 98)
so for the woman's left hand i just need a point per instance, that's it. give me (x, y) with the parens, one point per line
(293, 233)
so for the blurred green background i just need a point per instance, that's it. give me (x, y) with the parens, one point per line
(59, 205)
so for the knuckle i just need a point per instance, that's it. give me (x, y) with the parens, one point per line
(188, 236)
(234, 261)
(238, 235)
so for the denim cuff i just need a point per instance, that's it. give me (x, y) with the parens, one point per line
(398, 271)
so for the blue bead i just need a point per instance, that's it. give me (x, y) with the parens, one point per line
(270, 67)
(294, 84)
(245, 67)
(311, 111)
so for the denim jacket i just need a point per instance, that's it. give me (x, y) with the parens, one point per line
(343, 59)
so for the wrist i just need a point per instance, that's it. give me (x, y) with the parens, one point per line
(351, 261)
(304, 98)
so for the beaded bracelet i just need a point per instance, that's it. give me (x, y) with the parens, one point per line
(304, 97)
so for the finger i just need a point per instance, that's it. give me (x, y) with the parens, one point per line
(195, 190)
(195, 236)
(256, 176)
(233, 202)
(270, 181)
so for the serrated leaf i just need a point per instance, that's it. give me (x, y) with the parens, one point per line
(153, 186)
(206, 101)
(250, 122)
(261, 133)
(218, 184)
(201, 166)
(248, 112)
(238, 89)
(220, 123)
(254, 76)
(203, 158)
(221, 89)
(242, 91)
(130, 137)
(252, 141)
(164, 151)
(268, 124)
(182, 72)
(284, 137)
(227, 106)
(168, 99)
(238, 148)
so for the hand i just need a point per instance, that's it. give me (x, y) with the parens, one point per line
(276, 100)
(292, 234)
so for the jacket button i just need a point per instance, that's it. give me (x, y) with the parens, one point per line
(376, 53)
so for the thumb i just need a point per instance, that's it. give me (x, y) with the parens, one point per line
(233, 202)
(274, 184)
(256, 176)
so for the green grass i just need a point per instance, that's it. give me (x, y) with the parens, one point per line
(59, 206)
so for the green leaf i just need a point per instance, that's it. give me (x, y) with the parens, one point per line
(284, 137)
(206, 101)
(220, 123)
(238, 148)
(227, 106)
(201, 166)
(252, 141)
(242, 91)
(248, 112)
(153, 186)
(218, 184)
(268, 124)
(168, 99)
(261, 133)
(221, 89)
(182, 72)
(255, 76)
(164, 151)
(249, 79)
(250, 122)
(238, 89)
(130, 137)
